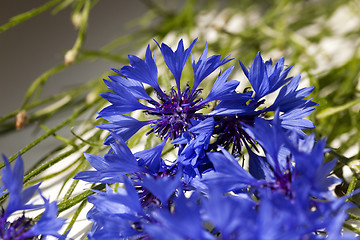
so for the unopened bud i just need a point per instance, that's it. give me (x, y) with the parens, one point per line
(76, 20)
(20, 119)
(70, 56)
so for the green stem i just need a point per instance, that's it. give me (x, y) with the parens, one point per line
(50, 175)
(58, 137)
(45, 166)
(76, 215)
(81, 35)
(37, 141)
(47, 156)
(351, 228)
(102, 54)
(71, 189)
(27, 15)
(335, 110)
(51, 132)
(351, 185)
(84, 140)
(66, 204)
(40, 80)
(72, 93)
(72, 174)
(354, 217)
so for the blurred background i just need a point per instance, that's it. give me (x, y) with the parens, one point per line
(39, 44)
(53, 55)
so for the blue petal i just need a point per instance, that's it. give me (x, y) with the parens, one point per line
(229, 215)
(13, 181)
(222, 89)
(289, 98)
(121, 104)
(123, 203)
(259, 168)
(97, 162)
(101, 176)
(114, 164)
(294, 121)
(124, 126)
(258, 77)
(48, 224)
(265, 78)
(235, 106)
(205, 66)
(270, 139)
(228, 175)
(176, 60)
(143, 71)
(106, 227)
(184, 222)
(197, 144)
(162, 187)
(151, 158)
(245, 70)
(13, 178)
(279, 81)
(277, 76)
(134, 87)
(203, 127)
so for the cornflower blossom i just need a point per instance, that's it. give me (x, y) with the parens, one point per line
(175, 112)
(232, 115)
(172, 112)
(284, 167)
(24, 227)
(290, 180)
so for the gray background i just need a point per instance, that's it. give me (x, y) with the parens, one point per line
(31, 48)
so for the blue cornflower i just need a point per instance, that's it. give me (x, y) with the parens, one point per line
(284, 168)
(173, 112)
(290, 180)
(232, 115)
(291, 161)
(24, 227)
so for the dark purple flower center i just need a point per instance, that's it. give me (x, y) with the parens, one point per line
(175, 113)
(283, 180)
(15, 230)
(229, 133)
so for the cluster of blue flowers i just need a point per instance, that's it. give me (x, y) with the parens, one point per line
(207, 193)
(244, 168)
